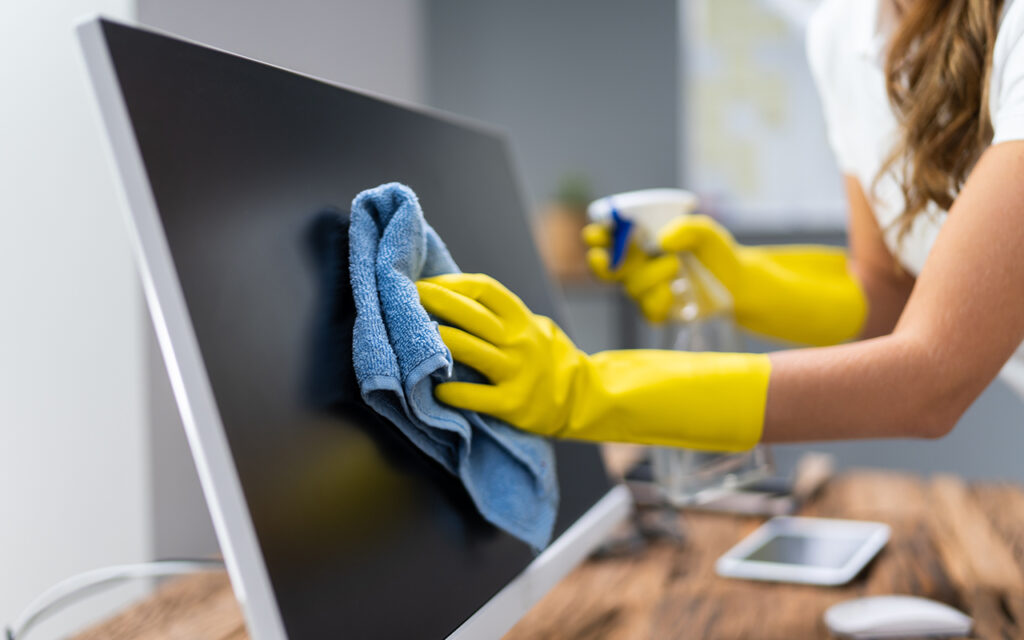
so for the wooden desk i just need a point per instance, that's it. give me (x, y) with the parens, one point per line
(958, 544)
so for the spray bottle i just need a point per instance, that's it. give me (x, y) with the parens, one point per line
(701, 320)
(702, 317)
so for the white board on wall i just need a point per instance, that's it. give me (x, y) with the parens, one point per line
(753, 137)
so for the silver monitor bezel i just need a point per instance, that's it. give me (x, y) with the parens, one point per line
(204, 429)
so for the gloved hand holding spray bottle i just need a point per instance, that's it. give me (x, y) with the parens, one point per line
(700, 318)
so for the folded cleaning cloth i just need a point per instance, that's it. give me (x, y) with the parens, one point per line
(398, 357)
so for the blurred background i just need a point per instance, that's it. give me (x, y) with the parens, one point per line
(596, 97)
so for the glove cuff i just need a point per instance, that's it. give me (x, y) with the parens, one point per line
(708, 401)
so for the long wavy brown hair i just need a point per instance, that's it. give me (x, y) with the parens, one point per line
(938, 70)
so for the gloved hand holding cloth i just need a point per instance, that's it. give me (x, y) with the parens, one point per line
(540, 382)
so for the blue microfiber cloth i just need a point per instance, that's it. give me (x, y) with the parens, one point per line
(399, 357)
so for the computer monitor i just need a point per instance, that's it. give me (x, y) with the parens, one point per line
(331, 523)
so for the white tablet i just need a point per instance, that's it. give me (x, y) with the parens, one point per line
(808, 550)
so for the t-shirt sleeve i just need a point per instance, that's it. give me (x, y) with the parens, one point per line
(1008, 77)
(822, 59)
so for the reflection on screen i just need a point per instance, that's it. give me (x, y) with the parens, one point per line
(832, 553)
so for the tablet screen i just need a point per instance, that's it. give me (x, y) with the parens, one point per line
(814, 551)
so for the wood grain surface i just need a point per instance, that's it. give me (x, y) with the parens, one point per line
(963, 545)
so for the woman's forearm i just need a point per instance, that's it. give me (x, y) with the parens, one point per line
(885, 285)
(887, 291)
(962, 321)
(890, 386)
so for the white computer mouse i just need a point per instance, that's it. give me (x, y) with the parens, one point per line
(896, 617)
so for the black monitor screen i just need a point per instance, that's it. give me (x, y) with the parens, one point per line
(363, 536)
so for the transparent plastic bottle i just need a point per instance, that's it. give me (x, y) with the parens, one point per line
(703, 320)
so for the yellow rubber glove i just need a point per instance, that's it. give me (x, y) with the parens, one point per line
(800, 293)
(540, 381)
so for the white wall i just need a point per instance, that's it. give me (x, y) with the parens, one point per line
(73, 482)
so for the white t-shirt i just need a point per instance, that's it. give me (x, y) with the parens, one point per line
(846, 46)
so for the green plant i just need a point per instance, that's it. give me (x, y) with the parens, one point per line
(574, 191)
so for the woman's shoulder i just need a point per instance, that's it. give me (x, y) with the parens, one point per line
(1011, 29)
(825, 20)
(830, 14)
(828, 33)
(1008, 71)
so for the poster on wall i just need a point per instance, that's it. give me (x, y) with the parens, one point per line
(753, 136)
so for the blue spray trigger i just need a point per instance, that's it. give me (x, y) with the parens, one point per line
(621, 228)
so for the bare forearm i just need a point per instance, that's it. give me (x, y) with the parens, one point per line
(963, 319)
(885, 285)
(883, 387)
(887, 291)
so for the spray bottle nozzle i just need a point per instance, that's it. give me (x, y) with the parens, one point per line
(639, 216)
(621, 228)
